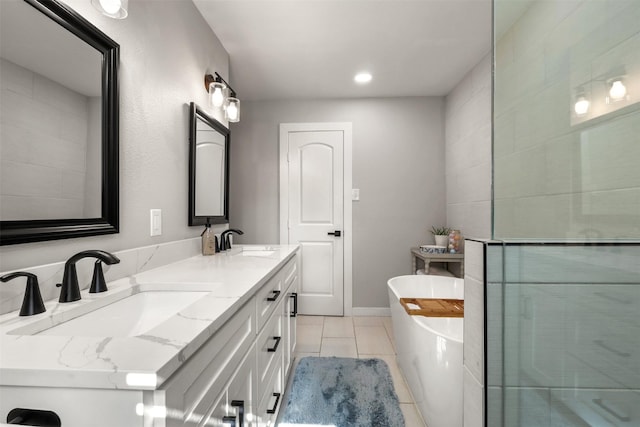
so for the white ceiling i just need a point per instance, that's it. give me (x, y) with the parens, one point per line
(312, 48)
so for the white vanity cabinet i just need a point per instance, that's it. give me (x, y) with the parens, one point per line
(222, 361)
(237, 378)
(290, 306)
(275, 346)
(196, 394)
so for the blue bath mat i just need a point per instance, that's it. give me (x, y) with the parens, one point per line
(342, 392)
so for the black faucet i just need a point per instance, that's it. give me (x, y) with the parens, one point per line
(70, 290)
(225, 243)
(32, 302)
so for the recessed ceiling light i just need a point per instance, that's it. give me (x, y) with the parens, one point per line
(362, 78)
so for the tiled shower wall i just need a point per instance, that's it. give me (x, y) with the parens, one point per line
(558, 175)
(474, 333)
(468, 152)
(47, 134)
(563, 335)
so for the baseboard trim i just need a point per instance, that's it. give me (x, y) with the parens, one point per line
(371, 311)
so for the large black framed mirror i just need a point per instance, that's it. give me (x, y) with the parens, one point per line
(60, 125)
(208, 169)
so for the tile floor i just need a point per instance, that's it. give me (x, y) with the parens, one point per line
(363, 337)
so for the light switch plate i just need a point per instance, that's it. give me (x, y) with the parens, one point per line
(355, 194)
(156, 222)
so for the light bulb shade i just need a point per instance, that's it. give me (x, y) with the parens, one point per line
(618, 90)
(232, 112)
(581, 106)
(362, 78)
(216, 93)
(117, 9)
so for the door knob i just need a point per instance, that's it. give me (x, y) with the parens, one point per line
(336, 233)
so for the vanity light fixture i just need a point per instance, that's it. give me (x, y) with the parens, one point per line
(216, 92)
(217, 88)
(582, 104)
(232, 111)
(117, 9)
(618, 90)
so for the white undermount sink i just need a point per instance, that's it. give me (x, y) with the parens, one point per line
(130, 316)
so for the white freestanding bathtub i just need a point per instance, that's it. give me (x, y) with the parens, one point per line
(430, 348)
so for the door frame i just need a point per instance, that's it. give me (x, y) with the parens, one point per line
(346, 128)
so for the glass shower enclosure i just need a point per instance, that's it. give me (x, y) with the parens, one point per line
(562, 297)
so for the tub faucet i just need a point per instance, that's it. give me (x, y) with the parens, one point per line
(225, 243)
(70, 291)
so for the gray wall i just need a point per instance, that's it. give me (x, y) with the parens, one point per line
(468, 152)
(166, 48)
(398, 165)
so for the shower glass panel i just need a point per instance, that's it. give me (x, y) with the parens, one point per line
(563, 304)
(566, 150)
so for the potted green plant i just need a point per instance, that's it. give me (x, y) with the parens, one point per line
(441, 234)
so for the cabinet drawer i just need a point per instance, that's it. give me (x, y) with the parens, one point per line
(268, 298)
(290, 325)
(195, 388)
(242, 394)
(269, 346)
(290, 272)
(271, 396)
(597, 407)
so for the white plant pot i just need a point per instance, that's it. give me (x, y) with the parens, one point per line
(442, 240)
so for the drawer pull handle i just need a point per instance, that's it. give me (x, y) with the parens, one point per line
(612, 350)
(240, 405)
(294, 313)
(229, 420)
(275, 347)
(274, 296)
(275, 405)
(622, 417)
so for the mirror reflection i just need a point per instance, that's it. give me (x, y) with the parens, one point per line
(208, 169)
(51, 121)
(58, 124)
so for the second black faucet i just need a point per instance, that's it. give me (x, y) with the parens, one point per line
(225, 243)
(70, 290)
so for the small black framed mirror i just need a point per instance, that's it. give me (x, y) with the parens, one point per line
(66, 185)
(208, 169)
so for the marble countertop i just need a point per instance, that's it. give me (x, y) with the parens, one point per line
(141, 362)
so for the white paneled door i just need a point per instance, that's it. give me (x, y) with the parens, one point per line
(313, 211)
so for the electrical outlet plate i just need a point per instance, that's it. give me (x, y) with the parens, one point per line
(156, 222)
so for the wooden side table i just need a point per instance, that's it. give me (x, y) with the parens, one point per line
(418, 256)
